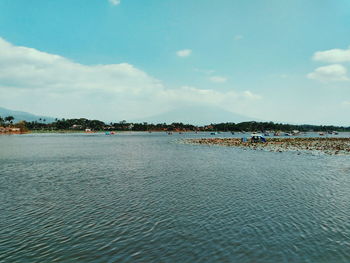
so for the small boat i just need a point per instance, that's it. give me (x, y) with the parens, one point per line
(255, 137)
(288, 134)
(213, 133)
(335, 132)
(295, 132)
(233, 133)
(321, 134)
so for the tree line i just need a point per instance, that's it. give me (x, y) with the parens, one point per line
(6, 120)
(82, 124)
(271, 126)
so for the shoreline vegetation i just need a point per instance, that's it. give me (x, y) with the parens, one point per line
(327, 145)
(9, 126)
(330, 146)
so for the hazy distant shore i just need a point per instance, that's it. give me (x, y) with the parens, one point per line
(322, 145)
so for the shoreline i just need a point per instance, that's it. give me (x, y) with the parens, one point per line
(330, 146)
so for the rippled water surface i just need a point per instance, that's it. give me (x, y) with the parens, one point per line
(148, 198)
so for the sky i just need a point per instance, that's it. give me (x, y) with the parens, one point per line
(285, 61)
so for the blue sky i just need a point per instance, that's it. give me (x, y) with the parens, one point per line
(253, 58)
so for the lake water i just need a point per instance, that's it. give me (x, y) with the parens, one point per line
(140, 197)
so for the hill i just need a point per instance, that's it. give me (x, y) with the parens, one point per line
(23, 116)
(197, 116)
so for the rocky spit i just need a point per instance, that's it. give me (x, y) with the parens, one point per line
(330, 146)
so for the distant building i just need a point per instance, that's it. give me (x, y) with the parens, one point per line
(10, 130)
(77, 127)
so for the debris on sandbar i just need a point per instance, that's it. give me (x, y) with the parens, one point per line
(322, 145)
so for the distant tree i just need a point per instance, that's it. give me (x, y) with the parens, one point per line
(22, 125)
(82, 123)
(9, 119)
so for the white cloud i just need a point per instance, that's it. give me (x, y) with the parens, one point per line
(238, 37)
(184, 53)
(329, 73)
(209, 96)
(114, 2)
(251, 95)
(54, 85)
(218, 79)
(333, 55)
(23, 67)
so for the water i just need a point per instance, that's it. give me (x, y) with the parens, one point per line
(148, 198)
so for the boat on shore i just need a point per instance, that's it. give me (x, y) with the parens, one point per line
(295, 132)
(255, 138)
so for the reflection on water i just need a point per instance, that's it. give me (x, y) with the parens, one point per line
(143, 197)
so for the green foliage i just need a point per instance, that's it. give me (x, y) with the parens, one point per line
(6, 120)
(96, 125)
(9, 119)
(270, 126)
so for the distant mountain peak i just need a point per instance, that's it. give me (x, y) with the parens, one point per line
(197, 116)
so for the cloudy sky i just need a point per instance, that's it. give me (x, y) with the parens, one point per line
(272, 60)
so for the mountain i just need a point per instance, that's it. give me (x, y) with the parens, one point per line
(23, 116)
(192, 115)
(197, 116)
